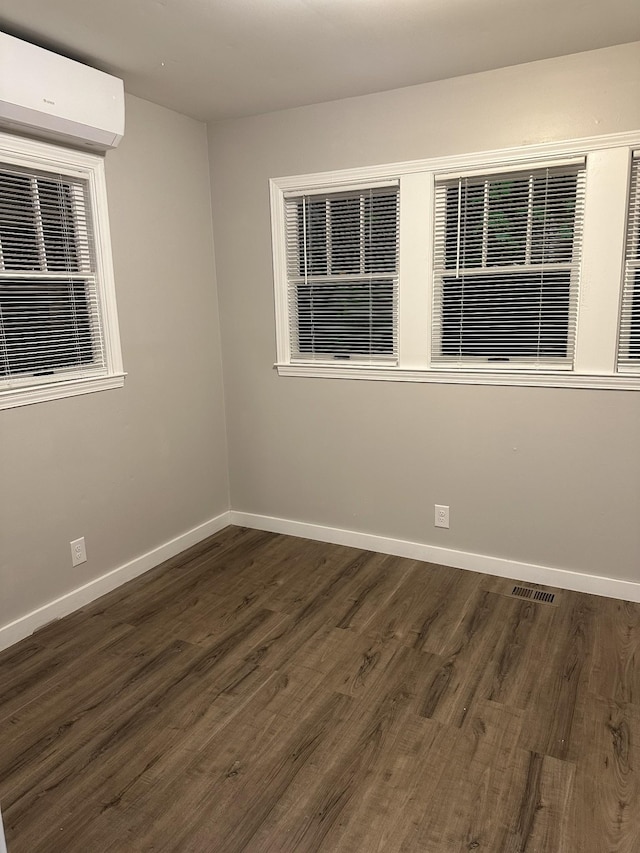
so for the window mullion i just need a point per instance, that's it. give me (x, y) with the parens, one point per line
(602, 260)
(416, 270)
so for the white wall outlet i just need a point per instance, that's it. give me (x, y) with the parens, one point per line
(442, 516)
(78, 552)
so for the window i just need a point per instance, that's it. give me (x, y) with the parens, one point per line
(58, 329)
(506, 267)
(342, 265)
(497, 268)
(629, 336)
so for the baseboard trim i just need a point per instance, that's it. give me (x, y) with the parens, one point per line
(20, 628)
(529, 572)
(82, 595)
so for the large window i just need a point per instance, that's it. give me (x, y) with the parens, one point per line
(342, 263)
(58, 328)
(501, 268)
(506, 268)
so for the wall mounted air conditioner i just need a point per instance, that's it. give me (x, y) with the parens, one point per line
(49, 96)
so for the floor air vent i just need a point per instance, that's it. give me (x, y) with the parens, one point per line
(533, 594)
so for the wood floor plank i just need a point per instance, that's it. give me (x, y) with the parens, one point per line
(185, 577)
(265, 693)
(514, 671)
(218, 748)
(59, 745)
(373, 590)
(321, 609)
(563, 683)
(248, 805)
(356, 662)
(446, 608)
(465, 811)
(144, 702)
(617, 677)
(310, 576)
(422, 591)
(318, 806)
(537, 801)
(395, 795)
(468, 656)
(41, 663)
(604, 810)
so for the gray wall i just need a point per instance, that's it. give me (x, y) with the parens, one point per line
(548, 476)
(130, 468)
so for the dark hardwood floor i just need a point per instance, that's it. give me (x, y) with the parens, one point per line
(266, 693)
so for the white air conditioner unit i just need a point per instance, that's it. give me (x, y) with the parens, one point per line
(49, 96)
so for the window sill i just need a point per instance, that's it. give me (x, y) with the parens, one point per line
(610, 382)
(13, 397)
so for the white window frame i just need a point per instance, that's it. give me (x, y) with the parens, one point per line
(608, 166)
(45, 157)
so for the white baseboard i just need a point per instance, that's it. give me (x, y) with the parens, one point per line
(529, 572)
(26, 625)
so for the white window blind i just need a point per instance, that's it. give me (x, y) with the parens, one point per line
(629, 332)
(342, 274)
(506, 268)
(50, 324)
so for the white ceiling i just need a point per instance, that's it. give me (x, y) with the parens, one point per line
(215, 59)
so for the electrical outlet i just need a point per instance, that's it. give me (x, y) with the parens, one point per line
(442, 516)
(78, 552)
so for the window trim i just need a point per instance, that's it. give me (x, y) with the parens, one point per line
(44, 156)
(595, 359)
